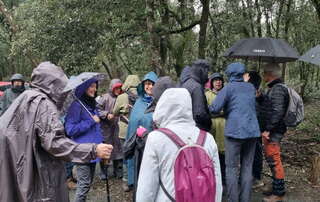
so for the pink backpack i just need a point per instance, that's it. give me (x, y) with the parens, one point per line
(194, 175)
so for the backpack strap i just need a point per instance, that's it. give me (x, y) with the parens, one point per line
(165, 191)
(170, 134)
(201, 138)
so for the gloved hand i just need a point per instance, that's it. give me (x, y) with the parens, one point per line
(140, 131)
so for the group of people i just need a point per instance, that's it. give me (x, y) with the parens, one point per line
(124, 126)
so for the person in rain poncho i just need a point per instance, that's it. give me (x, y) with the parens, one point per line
(122, 108)
(194, 79)
(82, 124)
(110, 126)
(17, 87)
(237, 99)
(138, 110)
(218, 120)
(173, 111)
(33, 142)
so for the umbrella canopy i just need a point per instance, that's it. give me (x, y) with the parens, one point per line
(81, 78)
(263, 49)
(312, 56)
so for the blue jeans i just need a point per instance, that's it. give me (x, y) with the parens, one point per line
(85, 175)
(69, 167)
(239, 159)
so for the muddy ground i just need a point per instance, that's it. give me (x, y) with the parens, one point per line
(298, 147)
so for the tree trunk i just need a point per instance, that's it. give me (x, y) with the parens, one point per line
(203, 28)
(316, 4)
(279, 19)
(250, 9)
(153, 39)
(286, 30)
(164, 39)
(259, 14)
(315, 170)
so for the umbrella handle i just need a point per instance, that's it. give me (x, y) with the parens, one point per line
(83, 106)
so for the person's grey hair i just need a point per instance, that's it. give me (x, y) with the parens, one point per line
(273, 68)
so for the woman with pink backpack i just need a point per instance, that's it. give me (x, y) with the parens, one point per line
(180, 161)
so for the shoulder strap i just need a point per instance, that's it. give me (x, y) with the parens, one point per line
(201, 138)
(175, 138)
(166, 192)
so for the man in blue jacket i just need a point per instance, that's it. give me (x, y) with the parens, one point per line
(237, 99)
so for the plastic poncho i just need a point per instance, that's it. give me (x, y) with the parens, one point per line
(33, 143)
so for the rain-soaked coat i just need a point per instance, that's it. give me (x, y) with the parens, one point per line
(193, 79)
(11, 94)
(173, 111)
(110, 128)
(121, 107)
(33, 143)
(218, 122)
(137, 113)
(160, 86)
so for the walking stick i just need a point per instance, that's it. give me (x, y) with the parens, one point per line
(107, 180)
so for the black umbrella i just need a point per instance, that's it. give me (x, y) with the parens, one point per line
(263, 50)
(312, 55)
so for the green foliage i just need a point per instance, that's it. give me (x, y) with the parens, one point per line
(64, 32)
(136, 36)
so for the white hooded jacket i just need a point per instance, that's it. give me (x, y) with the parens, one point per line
(173, 111)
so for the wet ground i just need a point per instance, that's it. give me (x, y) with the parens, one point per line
(297, 147)
(98, 193)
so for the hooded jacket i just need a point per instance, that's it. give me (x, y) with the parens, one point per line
(237, 99)
(136, 115)
(79, 124)
(11, 94)
(110, 128)
(33, 143)
(218, 121)
(173, 111)
(160, 86)
(194, 79)
(121, 105)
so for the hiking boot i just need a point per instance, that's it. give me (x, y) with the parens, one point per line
(273, 198)
(257, 184)
(71, 185)
(267, 190)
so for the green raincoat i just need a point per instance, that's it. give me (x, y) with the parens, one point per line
(121, 107)
(218, 122)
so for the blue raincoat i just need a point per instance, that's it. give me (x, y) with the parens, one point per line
(79, 125)
(138, 118)
(238, 101)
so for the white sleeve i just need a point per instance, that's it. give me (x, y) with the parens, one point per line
(213, 151)
(148, 182)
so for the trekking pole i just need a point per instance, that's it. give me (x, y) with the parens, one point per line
(107, 180)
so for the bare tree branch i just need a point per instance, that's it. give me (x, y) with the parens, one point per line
(177, 31)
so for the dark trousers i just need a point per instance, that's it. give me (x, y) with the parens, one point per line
(239, 157)
(115, 170)
(258, 160)
(222, 159)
